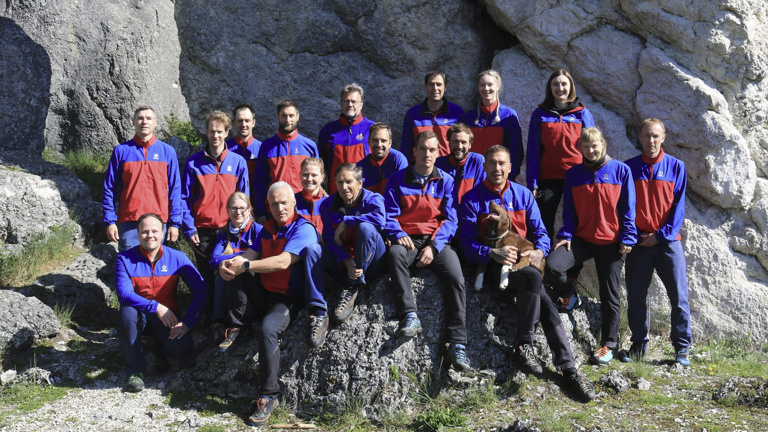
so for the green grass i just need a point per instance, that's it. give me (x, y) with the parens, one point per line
(206, 406)
(64, 312)
(435, 420)
(735, 357)
(86, 165)
(24, 399)
(40, 256)
(182, 129)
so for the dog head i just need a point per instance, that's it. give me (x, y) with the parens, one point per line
(498, 224)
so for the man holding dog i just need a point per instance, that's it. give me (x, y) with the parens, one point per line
(533, 305)
(660, 182)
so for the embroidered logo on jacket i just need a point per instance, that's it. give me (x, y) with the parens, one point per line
(155, 157)
(605, 176)
(359, 137)
(164, 269)
(229, 168)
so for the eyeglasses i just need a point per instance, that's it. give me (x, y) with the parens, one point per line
(238, 209)
(351, 102)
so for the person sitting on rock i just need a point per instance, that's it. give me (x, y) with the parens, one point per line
(142, 177)
(230, 299)
(312, 194)
(599, 223)
(285, 254)
(532, 302)
(421, 221)
(465, 166)
(147, 277)
(383, 160)
(352, 218)
(660, 182)
(210, 177)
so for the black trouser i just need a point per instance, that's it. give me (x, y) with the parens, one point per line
(203, 253)
(241, 297)
(533, 306)
(276, 312)
(550, 194)
(447, 268)
(608, 262)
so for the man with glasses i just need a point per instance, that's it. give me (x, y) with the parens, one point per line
(346, 139)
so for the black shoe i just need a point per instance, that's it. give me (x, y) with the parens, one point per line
(135, 383)
(318, 328)
(231, 335)
(218, 330)
(410, 326)
(457, 357)
(264, 407)
(526, 359)
(635, 352)
(346, 304)
(581, 386)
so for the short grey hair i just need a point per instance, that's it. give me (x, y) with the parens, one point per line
(350, 88)
(144, 108)
(279, 185)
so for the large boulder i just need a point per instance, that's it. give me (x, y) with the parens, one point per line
(24, 320)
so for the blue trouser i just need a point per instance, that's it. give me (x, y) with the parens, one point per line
(133, 323)
(128, 235)
(369, 256)
(313, 261)
(608, 263)
(668, 260)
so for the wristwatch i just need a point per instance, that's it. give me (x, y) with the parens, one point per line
(247, 265)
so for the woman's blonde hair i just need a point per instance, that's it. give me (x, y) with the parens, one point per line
(496, 77)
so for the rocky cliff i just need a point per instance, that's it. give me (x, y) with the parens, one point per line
(76, 69)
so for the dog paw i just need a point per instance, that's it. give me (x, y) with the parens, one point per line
(479, 282)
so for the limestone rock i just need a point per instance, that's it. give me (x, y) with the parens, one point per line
(24, 320)
(615, 380)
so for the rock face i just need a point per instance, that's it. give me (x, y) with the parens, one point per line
(89, 64)
(24, 319)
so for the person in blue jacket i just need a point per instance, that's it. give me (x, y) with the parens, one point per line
(147, 276)
(383, 160)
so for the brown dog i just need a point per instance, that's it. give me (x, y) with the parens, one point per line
(499, 235)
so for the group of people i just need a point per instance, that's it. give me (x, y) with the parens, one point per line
(265, 231)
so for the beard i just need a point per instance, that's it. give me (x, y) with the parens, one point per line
(287, 129)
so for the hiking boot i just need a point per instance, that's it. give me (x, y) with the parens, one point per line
(635, 352)
(346, 304)
(567, 304)
(457, 357)
(579, 384)
(682, 357)
(230, 336)
(602, 357)
(526, 359)
(264, 407)
(318, 328)
(135, 383)
(410, 326)
(218, 330)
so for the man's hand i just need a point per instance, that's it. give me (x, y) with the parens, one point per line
(406, 242)
(112, 234)
(173, 234)
(166, 316)
(648, 240)
(425, 257)
(535, 256)
(229, 269)
(353, 272)
(536, 193)
(624, 249)
(506, 255)
(195, 239)
(567, 244)
(339, 232)
(179, 330)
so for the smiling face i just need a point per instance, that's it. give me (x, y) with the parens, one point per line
(144, 123)
(348, 185)
(288, 118)
(311, 178)
(217, 134)
(244, 123)
(351, 105)
(652, 136)
(488, 88)
(460, 145)
(379, 142)
(497, 168)
(592, 150)
(150, 234)
(561, 90)
(435, 88)
(282, 205)
(238, 212)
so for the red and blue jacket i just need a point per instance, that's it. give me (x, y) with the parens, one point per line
(308, 207)
(488, 131)
(520, 206)
(341, 141)
(599, 205)
(660, 185)
(376, 173)
(413, 209)
(145, 177)
(466, 174)
(249, 151)
(206, 187)
(280, 159)
(368, 207)
(419, 118)
(239, 243)
(296, 235)
(553, 142)
(143, 285)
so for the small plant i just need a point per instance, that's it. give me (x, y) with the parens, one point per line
(182, 129)
(436, 419)
(64, 312)
(86, 165)
(394, 373)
